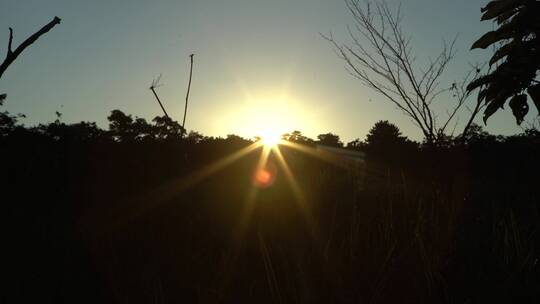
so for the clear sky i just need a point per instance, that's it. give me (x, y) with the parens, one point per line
(257, 62)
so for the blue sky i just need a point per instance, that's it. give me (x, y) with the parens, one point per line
(251, 56)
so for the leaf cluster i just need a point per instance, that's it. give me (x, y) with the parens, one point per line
(516, 60)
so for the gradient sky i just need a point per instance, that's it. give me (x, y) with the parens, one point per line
(257, 62)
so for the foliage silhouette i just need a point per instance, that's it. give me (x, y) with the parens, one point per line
(517, 57)
(126, 129)
(137, 213)
(110, 216)
(385, 143)
(329, 139)
(297, 137)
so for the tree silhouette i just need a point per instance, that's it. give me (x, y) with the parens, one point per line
(385, 142)
(517, 56)
(8, 123)
(477, 134)
(72, 133)
(356, 144)
(298, 137)
(72, 187)
(329, 139)
(121, 126)
(166, 128)
(383, 133)
(381, 57)
(194, 137)
(126, 129)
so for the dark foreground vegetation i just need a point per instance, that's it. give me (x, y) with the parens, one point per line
(119, 216)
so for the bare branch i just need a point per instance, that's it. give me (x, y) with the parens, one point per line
(12, 55)
(155, 84)
(9, 50)
(380, 55)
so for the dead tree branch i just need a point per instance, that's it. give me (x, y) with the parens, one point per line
(13, 54)
(155, 84)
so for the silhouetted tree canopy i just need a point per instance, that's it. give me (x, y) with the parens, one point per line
(477, 134)
(516, 59)
(194, 137)
(7, 123)
(383, 133)
(75, 133)
(298, 137)
(329, 139)
(124, 128)
(139, 207)
(385, 142)
(356, 144)
(166, 128)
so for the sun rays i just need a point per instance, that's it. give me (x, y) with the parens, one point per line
(271, 165)
(264, 176)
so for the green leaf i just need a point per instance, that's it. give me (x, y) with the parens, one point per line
(534, 93)
(519, 106)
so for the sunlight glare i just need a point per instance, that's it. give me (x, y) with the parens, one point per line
(266, 114)
(270, 138)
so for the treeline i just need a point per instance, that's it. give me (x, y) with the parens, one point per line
(141, 212)
(383, 138)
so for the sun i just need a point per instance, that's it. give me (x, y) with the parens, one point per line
(270, 137)
(265, 114)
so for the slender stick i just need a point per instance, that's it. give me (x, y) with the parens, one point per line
(159, 101)
(187, 94)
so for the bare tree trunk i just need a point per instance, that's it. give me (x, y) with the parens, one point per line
(12, 55)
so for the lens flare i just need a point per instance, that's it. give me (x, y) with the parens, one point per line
(264, 177)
